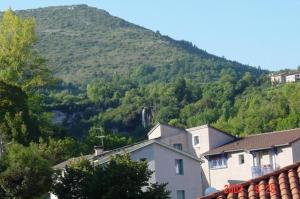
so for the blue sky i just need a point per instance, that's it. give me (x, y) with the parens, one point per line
(254, 32)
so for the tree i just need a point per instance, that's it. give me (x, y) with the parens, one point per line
(27, 174)
(19, 64)
(74, 184)
(15, 121)
(119, 178)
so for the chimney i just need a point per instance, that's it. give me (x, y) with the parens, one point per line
(98, 150)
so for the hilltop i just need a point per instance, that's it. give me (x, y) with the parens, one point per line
(82, 43)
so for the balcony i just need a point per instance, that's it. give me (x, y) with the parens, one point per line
(262, 170)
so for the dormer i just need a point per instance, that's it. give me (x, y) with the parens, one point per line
(204, 138)
(171, 135)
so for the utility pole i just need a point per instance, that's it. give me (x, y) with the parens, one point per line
(101, 136)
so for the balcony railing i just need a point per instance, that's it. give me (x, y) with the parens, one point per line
(262, 170)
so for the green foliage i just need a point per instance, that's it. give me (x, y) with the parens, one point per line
(27, 174)
(100, 45)
(58, 150)
(80, 180)
(19, 65)
(111, 141)
(264, 109)
(15, 121)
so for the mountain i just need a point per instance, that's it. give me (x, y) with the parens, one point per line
(82, 43)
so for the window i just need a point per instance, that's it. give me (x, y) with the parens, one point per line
(180, 194)
(177, 146)
(241, 159)
(179, 166)
(196, 140)
(218, 162)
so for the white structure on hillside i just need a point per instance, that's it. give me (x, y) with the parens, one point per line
(285, 77)
(293, 77)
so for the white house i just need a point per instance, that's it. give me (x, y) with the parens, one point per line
(278, 78)
(229, 159)
(293, 77)
(251, 156)
(181, 170)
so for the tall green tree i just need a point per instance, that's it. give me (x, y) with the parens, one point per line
(15, 121)
(119, 178)
(19, 64)
(25, 173)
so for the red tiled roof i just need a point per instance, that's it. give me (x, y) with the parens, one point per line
(285, 185)
(259, 141)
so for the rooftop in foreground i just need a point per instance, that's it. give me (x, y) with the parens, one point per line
(285, 185)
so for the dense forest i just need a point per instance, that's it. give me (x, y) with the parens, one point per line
(102, 74)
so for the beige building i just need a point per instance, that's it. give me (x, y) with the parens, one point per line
(278, 78)
(229, 159)
(195, 141)
(252, 156)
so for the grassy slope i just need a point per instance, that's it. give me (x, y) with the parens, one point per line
(82, 43)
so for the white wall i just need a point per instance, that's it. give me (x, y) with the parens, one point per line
(233, 172)
(284, 156)
(170, 135)
(190, 182)
(202, 132)
(148, 153)
(296, 151)
(156, 133)
(290, 78)
(217, 138)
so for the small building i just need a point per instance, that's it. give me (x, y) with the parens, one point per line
(293, 77)
(278, 78)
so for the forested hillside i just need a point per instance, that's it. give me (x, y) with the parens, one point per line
(109, 70)
(82, 43)
(98, 89)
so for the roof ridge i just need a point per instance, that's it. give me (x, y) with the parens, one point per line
(257, 180)
(271, 132)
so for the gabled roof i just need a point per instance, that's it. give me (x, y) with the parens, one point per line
(162, 124)
(67, 162)
(212, 127)
(105, 157)
(258, 141)
(284, 182)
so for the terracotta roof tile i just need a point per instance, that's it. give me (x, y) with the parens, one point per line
(280, 184)
(259, 141)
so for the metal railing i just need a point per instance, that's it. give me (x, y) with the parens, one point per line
(262, 170)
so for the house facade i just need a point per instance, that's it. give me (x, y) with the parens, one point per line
(251, 157)
(195, 159)
(179, 169)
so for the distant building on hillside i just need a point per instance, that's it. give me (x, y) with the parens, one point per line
(293, 77)
(280, 78)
